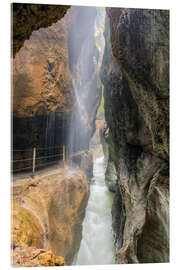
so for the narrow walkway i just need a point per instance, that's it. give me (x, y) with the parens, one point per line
(43, 171)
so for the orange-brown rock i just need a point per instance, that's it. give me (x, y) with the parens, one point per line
(26, 228)
(47, 212)
(49, 259)
(23, 255)
(42, 81)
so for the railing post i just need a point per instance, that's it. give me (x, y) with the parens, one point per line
(34, 162)
(66, 153)
(63, 155)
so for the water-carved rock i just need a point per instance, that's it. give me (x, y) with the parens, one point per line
(48, 212)
(135, 74)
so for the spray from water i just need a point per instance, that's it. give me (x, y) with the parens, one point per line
(97, 246)
(86, 47)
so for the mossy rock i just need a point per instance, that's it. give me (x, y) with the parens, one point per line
(26, 228)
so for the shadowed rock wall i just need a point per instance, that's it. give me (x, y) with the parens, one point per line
(135, 75)
(29, 17)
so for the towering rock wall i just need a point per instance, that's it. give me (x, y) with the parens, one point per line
(42, 80)
(135, 74)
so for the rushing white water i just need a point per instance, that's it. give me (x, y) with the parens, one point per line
(97, 239)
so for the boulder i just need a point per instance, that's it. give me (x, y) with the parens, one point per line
(48, 212)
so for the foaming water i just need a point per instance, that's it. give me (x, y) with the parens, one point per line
(97, 240)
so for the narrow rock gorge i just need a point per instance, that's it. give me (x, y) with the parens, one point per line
(135, 74)
(90, 114)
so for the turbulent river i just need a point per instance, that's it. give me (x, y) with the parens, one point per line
(97, 239)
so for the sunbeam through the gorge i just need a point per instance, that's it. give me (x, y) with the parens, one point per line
(85, 64)
(90, 143)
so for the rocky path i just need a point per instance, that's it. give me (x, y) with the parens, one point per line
(41, 172)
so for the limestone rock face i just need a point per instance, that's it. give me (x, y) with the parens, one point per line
(111, 176)
(141, 48)
(48, 212)
(135, 75)
(85, 162)
(42, 81)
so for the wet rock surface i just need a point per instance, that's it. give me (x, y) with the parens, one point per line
(85, 163)
(42, 81)
(111, 176)
(47, 213)
(48, 133)
(135, 75)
